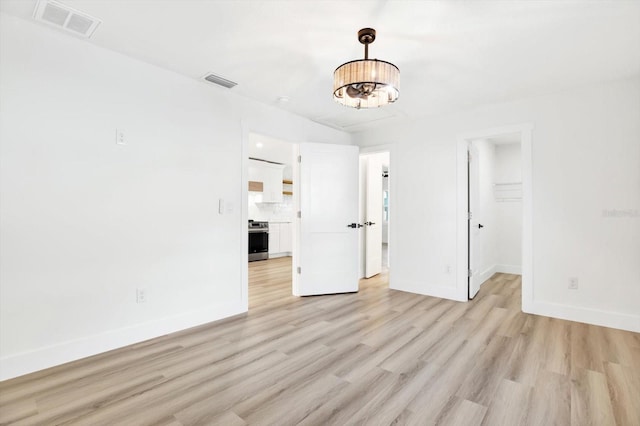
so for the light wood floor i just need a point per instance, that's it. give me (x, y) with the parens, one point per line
(378, 357)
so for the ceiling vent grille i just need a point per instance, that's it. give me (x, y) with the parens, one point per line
(66, 18)
(216, 79)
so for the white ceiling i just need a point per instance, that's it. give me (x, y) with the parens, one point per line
(270, 149)
(451, 54)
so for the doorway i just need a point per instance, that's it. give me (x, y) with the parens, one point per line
(270, 214)
(494, 198)
(495, 206)
(323, 254)
(375, 213)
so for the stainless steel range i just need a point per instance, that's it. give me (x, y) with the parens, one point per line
(258, 240)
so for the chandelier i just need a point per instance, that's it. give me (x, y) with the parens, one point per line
(366, 83)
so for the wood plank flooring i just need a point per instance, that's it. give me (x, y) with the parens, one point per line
(378, 357)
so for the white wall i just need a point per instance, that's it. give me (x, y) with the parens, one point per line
(508, 213)
(84, 222)
(586, 159)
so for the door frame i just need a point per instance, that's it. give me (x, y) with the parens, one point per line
(462, 235)
(391, 148)
(246, 130)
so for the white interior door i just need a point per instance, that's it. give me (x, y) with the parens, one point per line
(373, 217)
(474, 227)
(327, 258)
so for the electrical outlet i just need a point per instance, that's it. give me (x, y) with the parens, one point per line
(141, 295)
(573, 283)
(447, 269)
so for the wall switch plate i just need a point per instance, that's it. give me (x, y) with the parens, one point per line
(573, 283)
(120, 137)
(141, 295)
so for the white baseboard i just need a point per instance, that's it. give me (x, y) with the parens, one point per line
(586, 315)
(509, 269)
(27, 362)
(486, 274)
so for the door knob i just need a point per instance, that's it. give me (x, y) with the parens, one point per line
(354, 225)
(369, 223)
(480, 226)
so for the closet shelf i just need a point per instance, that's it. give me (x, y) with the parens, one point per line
(507, 191)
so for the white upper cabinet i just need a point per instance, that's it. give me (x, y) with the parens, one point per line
(270, 175)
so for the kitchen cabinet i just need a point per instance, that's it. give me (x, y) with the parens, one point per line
(286, 237)
(274, 238)
(280, 239)
(270, 175)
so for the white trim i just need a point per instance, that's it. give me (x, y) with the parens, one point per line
(486, 274)
(297, 250)
(247, 129)
(244, 203)
(27, 362)
(509, 269)
(526, 145)
(525, 130)
(587, 315)
(495, 269)
(462, 266)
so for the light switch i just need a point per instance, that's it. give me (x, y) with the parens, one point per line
(120, 137)
(221, 206)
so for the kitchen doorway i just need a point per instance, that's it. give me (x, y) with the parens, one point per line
(270, 206)
(313, 165)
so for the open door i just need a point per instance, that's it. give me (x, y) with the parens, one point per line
(373, 223)
(327, 259)
(474, 226)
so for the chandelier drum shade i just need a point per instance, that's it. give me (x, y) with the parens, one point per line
(366, 83)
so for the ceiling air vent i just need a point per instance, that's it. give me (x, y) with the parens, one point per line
(216, 79)
(66, 18)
